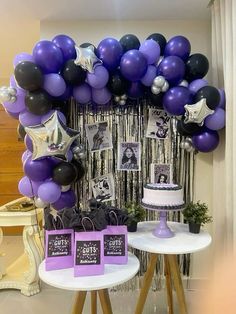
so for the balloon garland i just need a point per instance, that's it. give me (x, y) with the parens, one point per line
(164, 72)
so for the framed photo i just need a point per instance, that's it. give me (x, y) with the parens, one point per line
(161, 173)
(129, 158)
(158, 124)
(98, 136)
(103, 188)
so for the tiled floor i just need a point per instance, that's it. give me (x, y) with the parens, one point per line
(51, 300)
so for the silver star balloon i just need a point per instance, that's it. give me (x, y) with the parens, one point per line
(197, 113)
(86, 58)
(52, 138)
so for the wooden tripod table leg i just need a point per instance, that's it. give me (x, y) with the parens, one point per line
(174, 268)
(105, 301)
(79, 302)
(94, 302)
(147, 280)
(168, 285)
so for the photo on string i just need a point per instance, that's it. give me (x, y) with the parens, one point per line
(103, 188)
(158, 124)
(161, 173)
(98, 136)
(129, 156)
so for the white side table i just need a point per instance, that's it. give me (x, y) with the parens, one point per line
(22, 274)
(182, 243)
(114, 275)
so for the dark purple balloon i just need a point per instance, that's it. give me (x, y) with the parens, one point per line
(82, 93)
(101, 96)
(178, 46)
(206, 141)
(222, 98)
(195, 85)
(133, 65)
(172, 68)
(48, 56)
(49, 192)
(135, 90)
(216, 121)
(175, 99)
(25, 155)
(38, 170)
(110, 51)
(28, 143)
(67, 46)
(66, 200)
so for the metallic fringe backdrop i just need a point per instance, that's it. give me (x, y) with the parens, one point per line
(129, 123)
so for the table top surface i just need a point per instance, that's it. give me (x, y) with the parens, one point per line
(113, 276)
(182, 242)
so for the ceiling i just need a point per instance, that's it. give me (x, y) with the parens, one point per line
(105, 9)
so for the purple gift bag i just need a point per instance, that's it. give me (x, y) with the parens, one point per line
(88, 259)
(115, 244)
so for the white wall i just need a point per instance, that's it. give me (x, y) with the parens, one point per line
(199, 34)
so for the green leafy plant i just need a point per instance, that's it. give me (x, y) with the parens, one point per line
(197, 213)
(135, 212)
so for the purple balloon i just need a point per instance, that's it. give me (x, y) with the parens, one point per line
(178, 46)
(48, 56)
(27, 118)
(23, 56)
(25, 155)
(38, 170)
(222, 98)
(54, 84)
(69, 155)
(46, 116)
(28, 187)
(148, 78)
(216, 121)
(175, 99)
(66, 200)
(173, 69)
(49, 192)
(151, 50)
(101, 96)
(195, 85)
(17, 106)
(206, 141)
(110, 51)
(67, 46)
(99, 78)
(28, 143)
(67, 94)
(133, 65)
(13, 115)
(82, 93)
(135, 90)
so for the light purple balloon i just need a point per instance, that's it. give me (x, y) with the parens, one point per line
(27, 118)
(195, 85)
(66, 200)
(23, 56)
(99, 78)
(46, 116)
(54, 84)
(14, 85)
(28, 187)
(17, 106)
(175, 99)
(13, 115)
(67, 94)
(216, 121)
(172, 68)
(151, 50)
(49, 192)
(206, 141)
(135, 90)
(82, 93)
(28, 143)
(25, 155)
(222, 98)
(101, 96)
(38, 170)
(148, 78)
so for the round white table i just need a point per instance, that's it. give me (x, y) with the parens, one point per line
(183, 242)
(114, 275)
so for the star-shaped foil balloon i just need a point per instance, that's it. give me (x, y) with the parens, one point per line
(86, 58)
(197, 113)
(52, 138)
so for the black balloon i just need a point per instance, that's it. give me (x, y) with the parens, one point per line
(160, 39)
(28, 76)
(129, 41)
(64, 173)
(38, 102)
(80, 169)
(197, 67)
(186, 129)
(117, 84)
(211, 94)
(85, 45)
(73, 74)
(156, 100)
(21, 131)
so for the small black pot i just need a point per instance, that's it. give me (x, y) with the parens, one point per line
(132, 226)
(194, 228)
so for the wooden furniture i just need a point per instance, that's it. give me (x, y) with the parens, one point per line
(23, 273)
(96, 285)
(182, 243)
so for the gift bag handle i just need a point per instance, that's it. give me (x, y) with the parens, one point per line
(54, 219)
(112, 212)
(82, 222)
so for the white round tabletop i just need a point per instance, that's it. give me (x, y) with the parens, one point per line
(114, 275)
(182, 242)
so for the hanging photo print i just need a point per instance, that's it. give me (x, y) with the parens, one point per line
(103, 188)
(129, 156)
(161, 173)
(99, 136)
(158, 124)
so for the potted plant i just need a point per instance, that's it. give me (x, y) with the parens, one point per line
(136, 213)
(196, 214)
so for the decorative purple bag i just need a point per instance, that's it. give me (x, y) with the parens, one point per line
(88, 259)
(115, 244)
